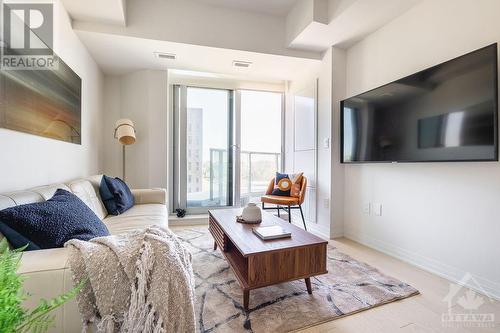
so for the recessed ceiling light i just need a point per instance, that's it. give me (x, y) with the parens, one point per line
(162, 55)
(238, 63)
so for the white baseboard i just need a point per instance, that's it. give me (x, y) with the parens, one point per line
(318, 230)
(433, 266)
(175, 221)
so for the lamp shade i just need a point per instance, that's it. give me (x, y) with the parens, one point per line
(125, 132)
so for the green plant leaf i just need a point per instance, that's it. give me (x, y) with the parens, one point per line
(4, 245)
(13, 316)
(39, 317)
(11, 295)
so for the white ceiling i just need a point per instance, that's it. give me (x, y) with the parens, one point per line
(122, 54)
(101, 11)
(120, 50)
(272, 7)
(350, 21)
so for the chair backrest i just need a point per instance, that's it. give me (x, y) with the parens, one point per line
(303, 187)
(270, 187)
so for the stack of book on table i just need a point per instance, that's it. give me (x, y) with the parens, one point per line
(271, 232)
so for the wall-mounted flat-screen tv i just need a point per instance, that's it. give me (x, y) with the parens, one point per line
(444, 113)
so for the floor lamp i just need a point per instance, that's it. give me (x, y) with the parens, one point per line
(125, 134)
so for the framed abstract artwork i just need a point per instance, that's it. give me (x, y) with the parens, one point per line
(42, 102)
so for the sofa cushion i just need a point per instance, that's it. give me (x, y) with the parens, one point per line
(44, 260)
(48, 191)
(51, 223)
(25, 197)
(137, 217)
(116, 195)
(84, 190)
(6, 202)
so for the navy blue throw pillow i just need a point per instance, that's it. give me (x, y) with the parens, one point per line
(16, 240)
(282, 185)
(116, 195)
(52, 223)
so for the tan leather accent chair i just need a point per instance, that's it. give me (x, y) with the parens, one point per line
(285, 203)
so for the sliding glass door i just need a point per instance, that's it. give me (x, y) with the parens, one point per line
(261, 118)
(225, 153)
(203, 162)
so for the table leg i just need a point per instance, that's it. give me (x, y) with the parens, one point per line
(308, 285)
(246, 298)
(215, 245)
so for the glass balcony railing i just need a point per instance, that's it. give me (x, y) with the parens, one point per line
(256, 170)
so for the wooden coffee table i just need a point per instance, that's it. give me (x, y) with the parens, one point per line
(258, 263)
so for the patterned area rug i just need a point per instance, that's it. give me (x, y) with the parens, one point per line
(349, 287)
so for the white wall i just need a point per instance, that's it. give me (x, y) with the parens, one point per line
(330, 172)
(337, 169)
(28, 160)
(442, 216)
(142, 97)
(323, 73)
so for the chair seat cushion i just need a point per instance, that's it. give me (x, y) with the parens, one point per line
(280, 200)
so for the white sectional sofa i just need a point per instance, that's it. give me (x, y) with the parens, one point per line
(47, 272)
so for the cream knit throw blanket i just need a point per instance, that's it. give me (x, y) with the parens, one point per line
(138, 282)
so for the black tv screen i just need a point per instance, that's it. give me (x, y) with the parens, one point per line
(445, 113)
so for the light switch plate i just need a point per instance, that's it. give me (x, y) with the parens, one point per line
(366, 208)
(326, 143)
(326, 203)
(377, 209)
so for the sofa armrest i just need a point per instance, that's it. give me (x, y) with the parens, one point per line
(47, 275)
(44, 260)
(150, 196)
